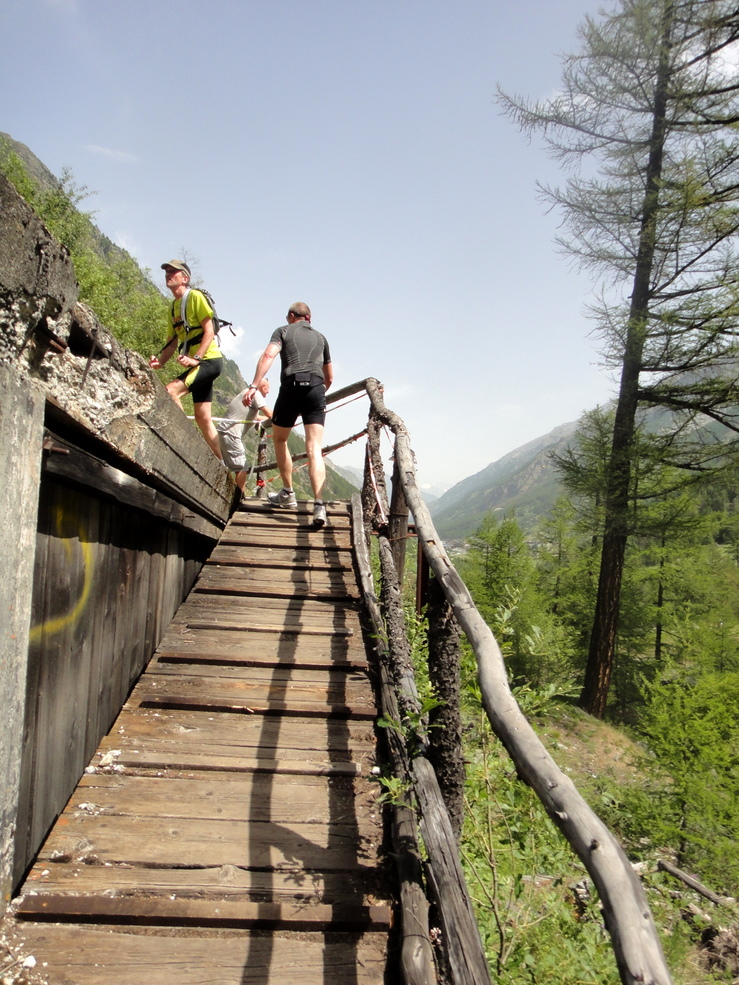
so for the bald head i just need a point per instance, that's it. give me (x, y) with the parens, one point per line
(300, 309)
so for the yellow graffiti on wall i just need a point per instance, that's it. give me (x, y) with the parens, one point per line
(51, 626)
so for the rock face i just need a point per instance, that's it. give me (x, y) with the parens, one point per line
(36, 269)
(49, 337)
(53, 342)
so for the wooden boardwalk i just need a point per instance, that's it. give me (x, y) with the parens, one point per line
(227, 830)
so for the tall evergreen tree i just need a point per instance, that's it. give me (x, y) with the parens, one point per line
(651, 101)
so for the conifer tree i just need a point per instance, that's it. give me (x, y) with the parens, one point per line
(652, 102)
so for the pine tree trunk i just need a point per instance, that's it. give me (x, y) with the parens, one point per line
(599, 669)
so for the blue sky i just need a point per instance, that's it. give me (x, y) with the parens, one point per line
(347, 153)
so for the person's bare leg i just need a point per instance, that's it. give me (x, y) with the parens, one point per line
(241, 480)
(177, 390)
(282, 455)
(207, 427)
(316, 465)
(316, 471)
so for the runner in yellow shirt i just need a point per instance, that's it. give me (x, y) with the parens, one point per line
(191, 331)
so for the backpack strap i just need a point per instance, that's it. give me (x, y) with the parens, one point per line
(183, 316)
(183, 309)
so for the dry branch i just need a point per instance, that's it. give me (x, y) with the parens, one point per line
(692, 883)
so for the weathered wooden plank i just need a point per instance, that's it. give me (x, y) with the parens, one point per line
(291, 528)
(229, 622)
(265, 743)
(213, 650)
(258, 697)
(193, 842)
(278, 603)
(212, 883)
(272, 534)
(239, 732)
(176, 759)
(89, 956)
(338, 515)
(266, 752)
(291, 614)
(259, 645)
(230, 797)
(282, 674)
(284, 557)
(289, 540)
(164, 911)
(227, 701)
(251, 505)
(299, 581)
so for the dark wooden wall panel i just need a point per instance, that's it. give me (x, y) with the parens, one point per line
(107, 581)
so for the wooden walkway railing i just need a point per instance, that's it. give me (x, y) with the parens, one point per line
(227, 829)
(628, 919)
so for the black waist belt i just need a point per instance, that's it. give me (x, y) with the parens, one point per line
(305, 380)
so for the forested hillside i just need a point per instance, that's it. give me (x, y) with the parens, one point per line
(123, 295)
(524, 481)
(624, 597)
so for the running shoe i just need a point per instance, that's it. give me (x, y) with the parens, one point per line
(284, 499)
(319, 515)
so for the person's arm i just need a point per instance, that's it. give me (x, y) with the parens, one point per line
(192, 359)
(328, 374)
(263, 367)
(156, 362)
(265, 414)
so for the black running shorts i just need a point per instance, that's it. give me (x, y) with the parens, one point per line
(295, 401)
(199, 380)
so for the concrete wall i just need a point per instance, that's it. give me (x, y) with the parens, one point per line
(21, 435)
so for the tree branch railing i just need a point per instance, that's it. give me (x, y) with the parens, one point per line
(627, 916)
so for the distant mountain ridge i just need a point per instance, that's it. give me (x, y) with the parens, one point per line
(524, 480)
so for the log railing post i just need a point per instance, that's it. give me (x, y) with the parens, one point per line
(261, 491)
(422, 579)
(445, 721)
(398, 526)
(417, 955)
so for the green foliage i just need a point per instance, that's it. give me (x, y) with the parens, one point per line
(414, 725)
(501, 574)
(676, 667)
(14, 170)
(394, 791)
(110, 281)
(692, 730)
(522, 875)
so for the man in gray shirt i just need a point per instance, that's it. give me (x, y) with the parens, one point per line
(305, 377)
(232, 427)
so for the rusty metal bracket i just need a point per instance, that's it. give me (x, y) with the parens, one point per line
(49, 447)
(93, 335)
(51, 338)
